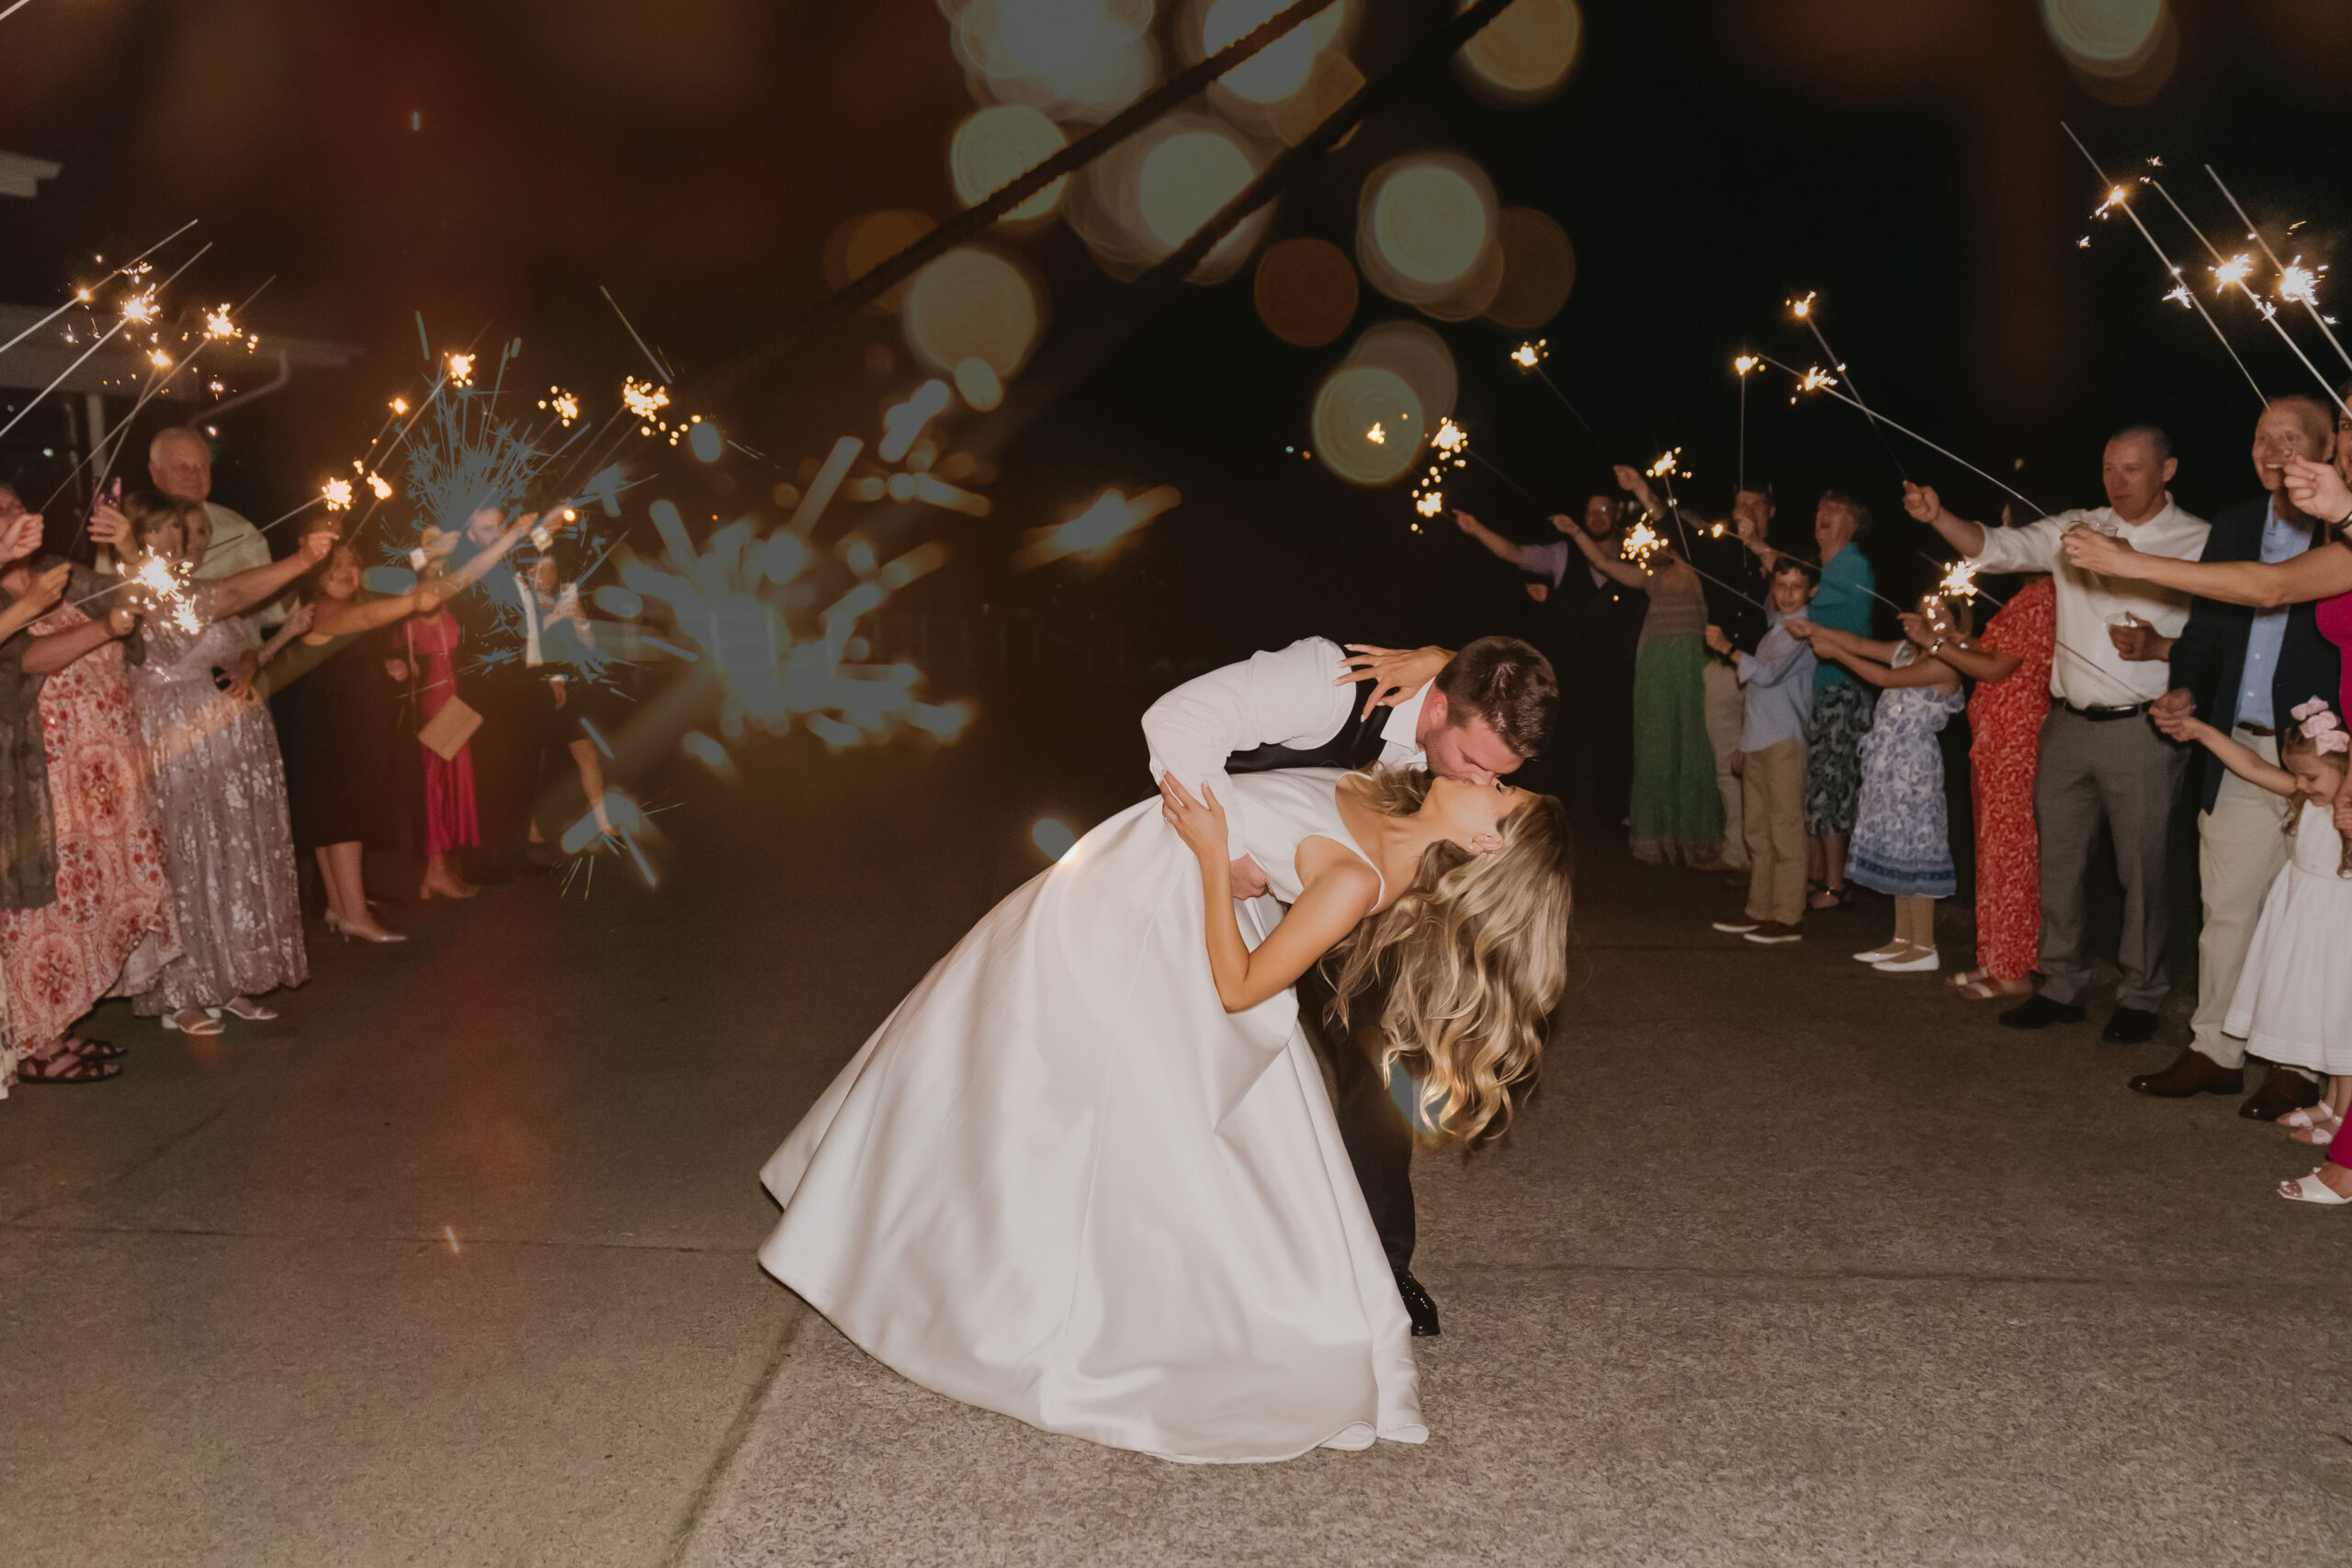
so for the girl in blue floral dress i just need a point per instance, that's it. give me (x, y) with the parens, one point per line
(1902, 845)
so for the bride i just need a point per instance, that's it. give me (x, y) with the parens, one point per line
(1086, 1174)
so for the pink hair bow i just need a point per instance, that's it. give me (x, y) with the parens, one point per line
(2322, 727)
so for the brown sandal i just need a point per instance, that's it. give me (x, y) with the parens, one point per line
(67, 1066)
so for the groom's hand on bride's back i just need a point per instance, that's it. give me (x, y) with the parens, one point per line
(1397, 672)
(1248, 880)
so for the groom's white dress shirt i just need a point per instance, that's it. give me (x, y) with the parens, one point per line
(1287, 697)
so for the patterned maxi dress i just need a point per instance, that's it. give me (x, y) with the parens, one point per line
(1901, 841)
(450, 819)
(1678, 812)
(223, 796)
(2004, 728)
(110, 929)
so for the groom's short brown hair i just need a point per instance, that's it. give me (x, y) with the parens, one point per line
(1508, 684)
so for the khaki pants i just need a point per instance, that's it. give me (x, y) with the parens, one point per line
(2122, 774)
(1727, 714)
(1773, 816)
(2239, 850)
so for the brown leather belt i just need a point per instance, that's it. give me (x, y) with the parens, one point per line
(2261, 729)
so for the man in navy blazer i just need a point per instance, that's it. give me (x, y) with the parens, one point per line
(2245, 670)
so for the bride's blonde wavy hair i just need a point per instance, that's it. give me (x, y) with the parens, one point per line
(1475, 955)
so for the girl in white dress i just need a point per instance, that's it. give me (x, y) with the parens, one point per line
(1086, 1174)
(2293, 1003)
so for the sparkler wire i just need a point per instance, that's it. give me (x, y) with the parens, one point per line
(2255, 235)
(2038, 510)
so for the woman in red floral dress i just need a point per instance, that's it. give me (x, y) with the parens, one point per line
(2011, 665)
(85, 909)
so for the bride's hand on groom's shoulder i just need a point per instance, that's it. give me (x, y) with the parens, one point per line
(1200, 823)
(1397, 672)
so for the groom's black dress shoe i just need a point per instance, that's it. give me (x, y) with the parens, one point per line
(1417, 1305)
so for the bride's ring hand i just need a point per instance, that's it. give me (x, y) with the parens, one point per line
(1200, 823)
(1397, 672)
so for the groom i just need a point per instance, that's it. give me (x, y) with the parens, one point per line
(1474, 715)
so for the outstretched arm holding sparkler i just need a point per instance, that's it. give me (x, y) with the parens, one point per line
(242, 590)
(1926, 506)
(1947, 643)
(2320, 573)
(1874, 661)
(1508, 550)
(1610, 564)
(47, 589)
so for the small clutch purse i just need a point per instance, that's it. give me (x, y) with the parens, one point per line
(446, 732)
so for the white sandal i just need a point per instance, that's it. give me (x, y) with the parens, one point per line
(1881, 954)
(2311, 1190)
(252, 1011)
(209, 1024)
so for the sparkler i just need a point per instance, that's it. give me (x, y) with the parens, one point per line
(1741, 368)
(461, 369)
(1803, 309)
(1641, 543)
(564, 404)
(1377, 436)
(83, 295)
(1819, 380)
(337, 494)
(2303, 288)
(1530, 355)
(2181, 292)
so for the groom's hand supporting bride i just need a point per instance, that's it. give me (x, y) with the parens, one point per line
(1397, 672)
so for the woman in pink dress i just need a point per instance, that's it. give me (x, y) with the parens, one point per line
(85, 909)
(451, 822)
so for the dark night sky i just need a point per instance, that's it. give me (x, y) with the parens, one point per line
(1707, 159)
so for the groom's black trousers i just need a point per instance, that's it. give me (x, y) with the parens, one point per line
(1372, 1125)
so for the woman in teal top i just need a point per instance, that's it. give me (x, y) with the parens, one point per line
(1842, 705)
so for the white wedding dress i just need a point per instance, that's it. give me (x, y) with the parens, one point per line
(1061, 1182)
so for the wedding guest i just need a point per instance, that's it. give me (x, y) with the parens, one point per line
(429, 643)
(1841, 706)
(1591, 625)
(1676, 815)
(1737, 589)
(2241, 669)
(228, 854)
(2010, 664)
(74, 806)
(518, 716)
(2101, 761)
(2292, 1002)
(1778, 680)
(180, 463)
(337, 720)
(1902, 845)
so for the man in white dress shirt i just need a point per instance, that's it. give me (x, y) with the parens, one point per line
(2101, 759)
(1474, 716)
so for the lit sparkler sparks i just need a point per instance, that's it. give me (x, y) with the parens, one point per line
(1642, 542)
(1745, 365)
(643, 398)
(400, 405)
(2299, 283)
(1529, 355)
(337, 493)
(1959, 580)
(1815, 380)
(564, 405)
(1449, 438)
(381, 486)
(1801, 308)
(1668, 466)
(2115, 197)
(461, 369)
(1377, 436)
(139, 309)
(159, 359)
(2232, 272)
(217, 323)
(1430, 503)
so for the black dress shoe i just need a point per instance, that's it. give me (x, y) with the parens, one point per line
(1417, 1305)
(2129, 1026)
(2192, 1072)
(2038, 1012)
(2283, 1089)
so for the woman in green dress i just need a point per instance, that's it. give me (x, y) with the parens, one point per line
(1678, 812)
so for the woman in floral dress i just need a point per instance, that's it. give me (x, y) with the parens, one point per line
(85, 909)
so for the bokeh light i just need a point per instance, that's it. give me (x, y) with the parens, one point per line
(1185, 179)
(866, 241)
(1082, 60)
(1053, 838)
(1148, 195)
(1306, 292)
(999, 144)
(705, 442)
(1353, 402)
(977, 384)
(1283, 66)
(1539, 270)
(2105, 38)
(1418, 358)
(1427, 235)
(973, 304)
(1525, 54)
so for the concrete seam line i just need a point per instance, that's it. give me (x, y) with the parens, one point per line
(170, 1141)
(738, 1431)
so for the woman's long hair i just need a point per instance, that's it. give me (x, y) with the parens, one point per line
(1476, 957)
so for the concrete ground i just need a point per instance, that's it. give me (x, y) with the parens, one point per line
(1791, 1262)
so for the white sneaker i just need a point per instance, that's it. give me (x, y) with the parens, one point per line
(1927, 963)
(1737, 928)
